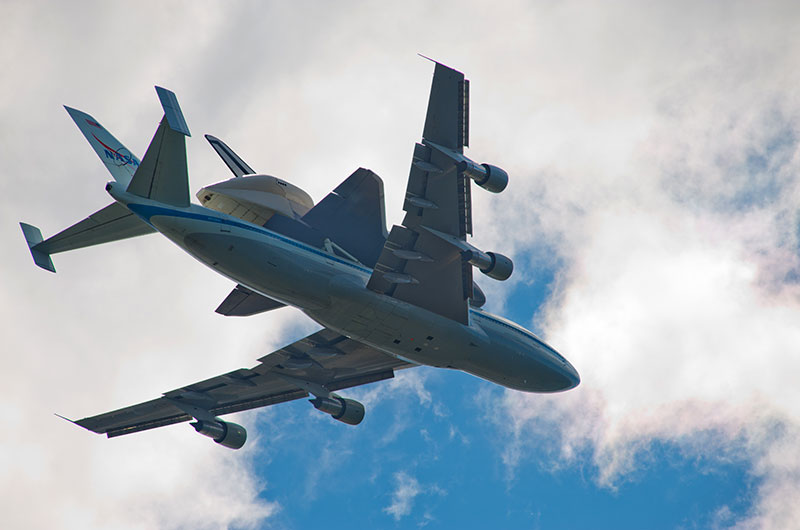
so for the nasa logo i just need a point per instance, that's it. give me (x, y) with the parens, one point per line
(120, 157)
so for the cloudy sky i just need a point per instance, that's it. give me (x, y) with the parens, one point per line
(652, 215)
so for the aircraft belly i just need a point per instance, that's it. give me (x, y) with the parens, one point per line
(396, 327)
(260, 265)
(340, 300)
(414, 334)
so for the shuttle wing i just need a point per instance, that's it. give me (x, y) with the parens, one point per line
(324, 359)
(416, 264)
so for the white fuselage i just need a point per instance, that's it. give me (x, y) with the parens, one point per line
(332, 291)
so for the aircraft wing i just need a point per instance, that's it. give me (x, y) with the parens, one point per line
(324, 359)
(417, 265)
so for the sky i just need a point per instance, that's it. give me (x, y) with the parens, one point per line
(651, 213)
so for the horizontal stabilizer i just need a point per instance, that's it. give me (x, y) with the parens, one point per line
(112, 223)
(163, 175)
(34, 237)
(242, 302)
(238, 166)
(118, 159)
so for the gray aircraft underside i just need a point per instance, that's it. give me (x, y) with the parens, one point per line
(387, 300)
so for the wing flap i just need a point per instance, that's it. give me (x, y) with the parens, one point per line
(425, 270)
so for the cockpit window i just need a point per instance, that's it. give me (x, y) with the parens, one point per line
(522, 331)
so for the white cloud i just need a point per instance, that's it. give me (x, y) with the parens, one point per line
(678, 302)
(406, 490)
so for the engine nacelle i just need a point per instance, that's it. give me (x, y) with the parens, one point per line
(223, 432)
(345, 410)
(487, 176)
(493, 265)
(501, 268)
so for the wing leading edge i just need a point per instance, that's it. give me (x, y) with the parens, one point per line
(324, 359)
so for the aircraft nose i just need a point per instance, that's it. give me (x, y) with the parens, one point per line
(558, 378)
(572, 377)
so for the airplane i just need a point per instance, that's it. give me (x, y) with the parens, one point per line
(387, 300)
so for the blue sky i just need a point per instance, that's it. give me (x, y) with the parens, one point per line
(651, 214)
(445, 461)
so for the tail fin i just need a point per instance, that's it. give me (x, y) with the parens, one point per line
(163, 174)
(121, 163)
(231, 159)
(112, 223)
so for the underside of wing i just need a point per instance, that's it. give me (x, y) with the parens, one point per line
(324, 360)
(427, 261)
(416, 266)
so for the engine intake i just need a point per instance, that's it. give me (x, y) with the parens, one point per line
(345, 410)
(493, 265)
(224, 433)
(487, 176)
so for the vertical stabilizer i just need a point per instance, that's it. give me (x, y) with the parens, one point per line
(119, 161)
(231, 159)
(163, 173)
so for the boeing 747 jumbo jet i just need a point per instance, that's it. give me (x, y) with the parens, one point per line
(387, 301)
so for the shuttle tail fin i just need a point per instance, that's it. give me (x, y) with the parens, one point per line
(238, 166)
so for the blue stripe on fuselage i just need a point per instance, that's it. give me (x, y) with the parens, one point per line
(146, 211)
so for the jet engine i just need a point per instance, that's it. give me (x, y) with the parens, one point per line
(493, 265)
(487, 176)
(256, 198)
(223, 432)
(345, 410)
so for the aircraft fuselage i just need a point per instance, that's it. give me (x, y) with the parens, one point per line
(332, 291)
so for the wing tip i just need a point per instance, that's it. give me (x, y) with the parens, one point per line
(67, 419)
